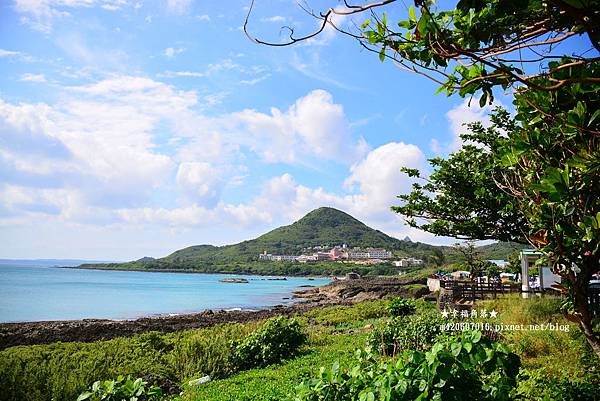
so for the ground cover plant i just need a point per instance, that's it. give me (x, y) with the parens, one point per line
(468, 366)
(121, 388)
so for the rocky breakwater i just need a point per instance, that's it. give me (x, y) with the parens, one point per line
(348, 291)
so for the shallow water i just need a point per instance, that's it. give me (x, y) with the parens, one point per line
(50, 293)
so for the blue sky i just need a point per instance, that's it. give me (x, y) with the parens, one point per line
(133, 128)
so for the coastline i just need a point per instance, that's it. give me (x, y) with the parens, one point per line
(340, 292)
(188, 271)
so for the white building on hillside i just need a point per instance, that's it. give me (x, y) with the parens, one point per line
(408, 262)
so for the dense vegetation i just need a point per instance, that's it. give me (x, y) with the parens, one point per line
(467, 366)
(555, 364)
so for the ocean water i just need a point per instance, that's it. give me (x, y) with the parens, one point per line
(50, 293)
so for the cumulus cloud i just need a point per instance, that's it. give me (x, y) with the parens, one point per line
(374, 183)
(314, 126)
(379, 178)
(201, 181)
(98, 146)
(108, 150)
(460, 115)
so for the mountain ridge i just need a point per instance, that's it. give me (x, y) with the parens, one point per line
(324, 226)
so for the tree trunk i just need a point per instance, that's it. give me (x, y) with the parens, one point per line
(592, 339)
(582, 307)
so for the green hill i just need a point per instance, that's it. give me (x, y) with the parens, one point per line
(324, 226)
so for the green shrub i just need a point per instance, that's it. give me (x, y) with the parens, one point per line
(415, 332)
(206, 352)
(537, 385)
(401, 306)
(279, 338)
(121, 389)
(460, 368)
(61, 371)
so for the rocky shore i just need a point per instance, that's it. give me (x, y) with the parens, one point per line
(87, 330)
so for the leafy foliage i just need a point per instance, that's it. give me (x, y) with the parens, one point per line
(482, 44)
(537, 386)
(277, 339)
(121, 389)
(401, 306)
(466, 367)
(545, 171)
(467, 202)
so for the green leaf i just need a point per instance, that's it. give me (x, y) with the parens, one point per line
(456, 348)
(483, 99)
(84, 396)
(594, 117)
(411, 14)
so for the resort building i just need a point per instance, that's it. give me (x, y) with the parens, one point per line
(335, 253)
(407, 262)
(379, 254)
(276, 258)
(369, 253)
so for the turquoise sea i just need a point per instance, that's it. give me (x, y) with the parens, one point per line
(48, 293)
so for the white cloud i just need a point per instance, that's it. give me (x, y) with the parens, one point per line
(203, 17)
(96, 158)
(98, 144)
(9, 53)
(40, 14)
(275, 18)
(172, 52)
(255, 80)
(179, 6)
(27, 77)
(463, 114)
(201, 181)
(193, 215)
(313, 127)
(379, 178)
